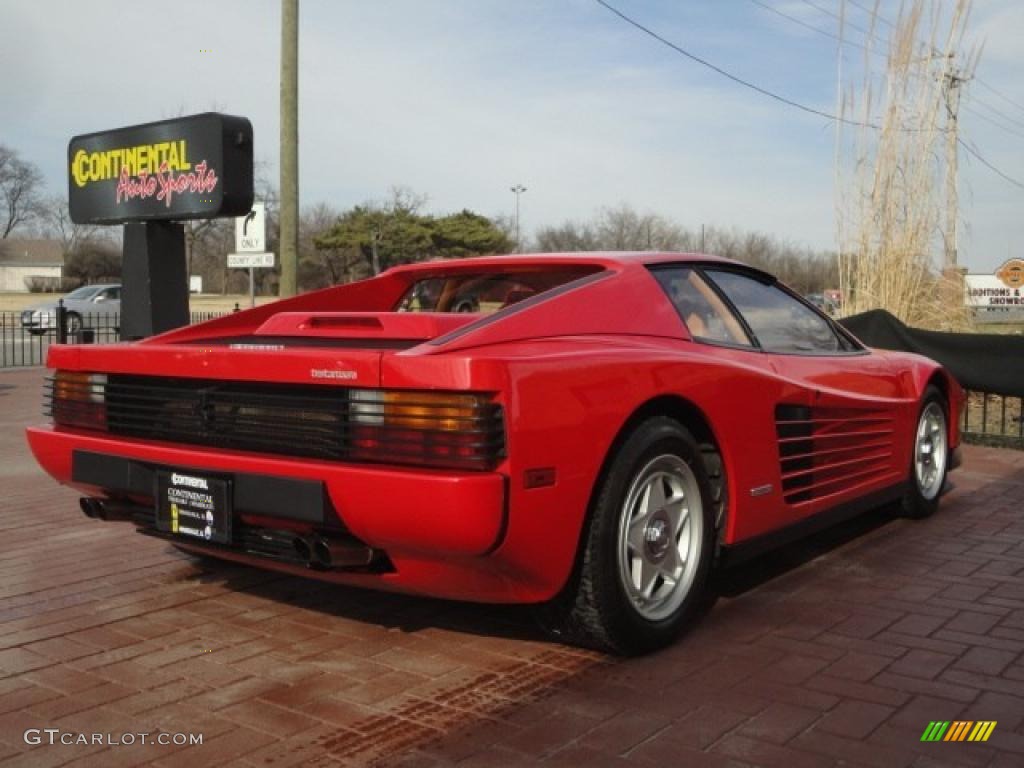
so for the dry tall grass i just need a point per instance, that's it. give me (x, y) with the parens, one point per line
(891, 199)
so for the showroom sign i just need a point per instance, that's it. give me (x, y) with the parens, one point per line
(1005, 288)
(195, 167)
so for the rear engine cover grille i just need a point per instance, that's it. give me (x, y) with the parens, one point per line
(298, 421)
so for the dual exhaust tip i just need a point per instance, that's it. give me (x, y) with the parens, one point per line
(321, 552)
(105, 509)
(315, 551)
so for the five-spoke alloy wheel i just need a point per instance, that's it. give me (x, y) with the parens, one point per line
(930, 459)
(647, 548)
(660, 535)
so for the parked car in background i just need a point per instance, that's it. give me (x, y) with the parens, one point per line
(87, 307)
(594, 436)
(826, 304)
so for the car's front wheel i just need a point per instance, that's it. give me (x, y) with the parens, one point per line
(647, 549)
(930, 460)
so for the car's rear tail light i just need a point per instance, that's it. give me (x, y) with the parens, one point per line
(77, 399)
(442, 429)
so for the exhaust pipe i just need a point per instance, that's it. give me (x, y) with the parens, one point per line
(321, 552)
(90, 506)
(304, 549)
(341, 553)
(106, 510)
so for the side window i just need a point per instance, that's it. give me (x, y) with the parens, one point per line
(705, 314)
(779, 321)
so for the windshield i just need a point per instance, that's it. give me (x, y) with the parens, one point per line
(485, 292)
(83, 293)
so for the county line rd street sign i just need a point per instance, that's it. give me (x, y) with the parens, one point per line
(250, 260)
(251, 230)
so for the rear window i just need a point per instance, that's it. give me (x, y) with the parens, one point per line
(485, 292)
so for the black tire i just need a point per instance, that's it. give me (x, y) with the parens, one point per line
(594, 609)
(918, 501)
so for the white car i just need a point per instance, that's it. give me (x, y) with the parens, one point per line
(87, 307)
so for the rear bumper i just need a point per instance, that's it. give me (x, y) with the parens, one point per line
(437, 528)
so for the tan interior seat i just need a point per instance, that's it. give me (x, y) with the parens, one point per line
(696, 325)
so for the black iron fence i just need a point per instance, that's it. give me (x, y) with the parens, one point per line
(26, 336)
(994, 419)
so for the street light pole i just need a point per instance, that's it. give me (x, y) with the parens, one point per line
(517, 190)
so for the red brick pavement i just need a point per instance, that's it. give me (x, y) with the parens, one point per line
(837, 651)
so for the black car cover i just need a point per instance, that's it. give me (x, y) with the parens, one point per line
(981, 362)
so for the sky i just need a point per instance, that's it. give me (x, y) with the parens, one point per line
(459, 100)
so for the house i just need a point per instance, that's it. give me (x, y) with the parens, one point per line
(22, 258)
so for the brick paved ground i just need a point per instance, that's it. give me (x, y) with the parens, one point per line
(835, 652)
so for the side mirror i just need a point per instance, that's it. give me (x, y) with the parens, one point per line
(99, 299)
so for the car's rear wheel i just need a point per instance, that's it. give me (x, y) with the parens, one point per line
(647, 549)
(930, 459)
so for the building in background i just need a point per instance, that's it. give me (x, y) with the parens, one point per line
(999, 297)
(25, 261)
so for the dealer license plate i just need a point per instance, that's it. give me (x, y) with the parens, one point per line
(194, 506)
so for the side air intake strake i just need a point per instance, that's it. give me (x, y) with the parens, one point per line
(826, 450)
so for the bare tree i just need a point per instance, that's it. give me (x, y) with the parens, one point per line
(54, 221)
(20, 187)
(623, 229)
(320, 267)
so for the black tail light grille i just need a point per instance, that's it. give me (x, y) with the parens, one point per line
(382, 426)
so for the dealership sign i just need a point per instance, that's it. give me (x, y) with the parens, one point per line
(1003, 289)
(196, 167)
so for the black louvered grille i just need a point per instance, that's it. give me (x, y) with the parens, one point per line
(827, 450)
(293, 420)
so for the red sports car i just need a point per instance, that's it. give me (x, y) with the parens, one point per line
(594, 443)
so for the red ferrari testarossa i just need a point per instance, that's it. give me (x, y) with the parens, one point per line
(590, 433)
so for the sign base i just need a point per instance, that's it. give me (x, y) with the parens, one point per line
(154, 296)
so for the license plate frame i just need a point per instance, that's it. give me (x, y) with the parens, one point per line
(194, 505)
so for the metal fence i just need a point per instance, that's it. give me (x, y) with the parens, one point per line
(994, 419)
(24, 338)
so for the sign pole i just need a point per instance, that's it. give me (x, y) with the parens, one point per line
(252, 291)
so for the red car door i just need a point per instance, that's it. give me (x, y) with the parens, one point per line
(837, 418)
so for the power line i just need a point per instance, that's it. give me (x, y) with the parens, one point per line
(782, 99)
(1002, 96)
(811, 27)
(891, 25)
(873, 12)
(868, 34)
(996, 111)
(978, 156)
(729, 75)
(996, 123)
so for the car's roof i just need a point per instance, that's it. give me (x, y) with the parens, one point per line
(100, 286)
(602, 258)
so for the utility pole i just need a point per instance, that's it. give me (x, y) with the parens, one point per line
(517, 190)
(289, 147)
(951, 82)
